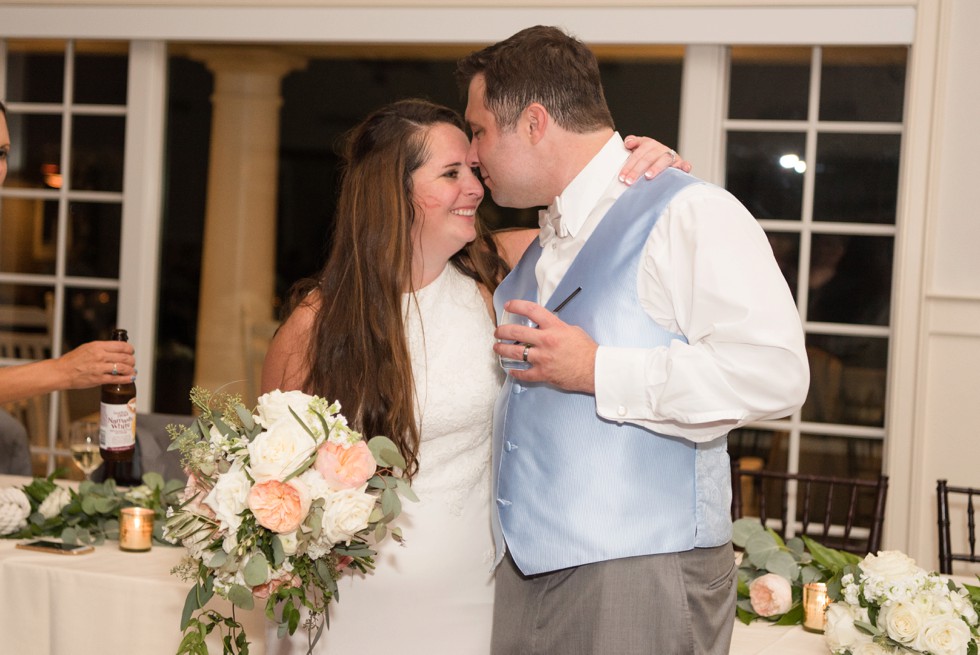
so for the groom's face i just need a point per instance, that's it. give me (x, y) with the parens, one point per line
(503, 156)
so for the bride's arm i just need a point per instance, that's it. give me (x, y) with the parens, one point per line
(286, 363)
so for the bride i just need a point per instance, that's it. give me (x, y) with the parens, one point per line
(398, 326)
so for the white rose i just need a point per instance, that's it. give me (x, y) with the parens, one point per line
(275, 405)
(944, 635)
(56, 500)
(229, 497)
(840, 632)
(345, 514)
(890, 565)
(278, 452)
(902, 622)
(289, 542)
(14, 510)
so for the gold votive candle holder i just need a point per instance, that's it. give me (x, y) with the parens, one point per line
(135, 529)
(815, 602)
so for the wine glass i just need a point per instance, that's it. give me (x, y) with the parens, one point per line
(83, 441)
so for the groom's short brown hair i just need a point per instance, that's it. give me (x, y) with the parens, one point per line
(544, 65)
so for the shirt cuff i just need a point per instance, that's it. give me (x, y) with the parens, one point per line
(621, 383)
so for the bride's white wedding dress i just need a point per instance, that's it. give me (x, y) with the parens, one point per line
(433, 595)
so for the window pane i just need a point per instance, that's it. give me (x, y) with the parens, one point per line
(90, 314)
(856, 178)
(850, 279)
(96, 158)
(847, 457)
(769, 83)
(35, 71)
(94, 239)
(35, 150)
(28, 235)
(786, 249)
(863, 84)
(100, 73)
(847, 380)
(755, 448)
(756, 177)
(25, 321)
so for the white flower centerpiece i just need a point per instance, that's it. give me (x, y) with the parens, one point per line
(892, 606)
(277, 506)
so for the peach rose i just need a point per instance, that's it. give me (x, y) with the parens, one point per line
(345, 468)
(266, 589)
(279, 506)
(770, 594)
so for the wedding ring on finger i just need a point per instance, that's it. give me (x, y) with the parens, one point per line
(527, 349)
(673, 155)
(115, 369)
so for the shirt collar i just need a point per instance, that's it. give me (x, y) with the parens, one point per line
(568, 213)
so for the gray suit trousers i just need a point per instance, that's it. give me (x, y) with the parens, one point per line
(670, 604)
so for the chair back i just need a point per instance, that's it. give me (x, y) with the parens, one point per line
(946, 554)
(842, 513)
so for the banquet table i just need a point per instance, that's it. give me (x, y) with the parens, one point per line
(107, 601)
(762, 638)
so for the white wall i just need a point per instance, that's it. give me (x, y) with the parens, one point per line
(949, 387)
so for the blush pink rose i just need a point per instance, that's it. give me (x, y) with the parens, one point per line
(278, 506)
(345, 468)
(265, 590)
(770, 595)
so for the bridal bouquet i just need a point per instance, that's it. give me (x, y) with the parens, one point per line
(892, 606)
(277, 506)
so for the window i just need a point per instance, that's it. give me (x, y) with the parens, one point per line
(813, 140)
(60, 217)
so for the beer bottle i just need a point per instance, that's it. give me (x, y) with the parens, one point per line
(117, 427)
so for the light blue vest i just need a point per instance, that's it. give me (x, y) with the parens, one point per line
(570, 487)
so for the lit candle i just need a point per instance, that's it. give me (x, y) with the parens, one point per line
(815, 602)
(135, 529)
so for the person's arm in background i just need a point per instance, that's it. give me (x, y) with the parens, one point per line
(89, 365)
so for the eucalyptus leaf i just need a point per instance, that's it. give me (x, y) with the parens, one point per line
(759, 547)
(782, 563)
(743, 529)
(256, 571)
(405, 489)
(241, 597)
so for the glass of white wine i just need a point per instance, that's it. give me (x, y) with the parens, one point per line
(84, 445)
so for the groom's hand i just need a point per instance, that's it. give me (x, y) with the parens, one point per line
(562, 355)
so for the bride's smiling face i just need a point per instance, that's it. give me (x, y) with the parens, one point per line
(446, 194)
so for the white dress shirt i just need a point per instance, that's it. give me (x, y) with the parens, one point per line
(707, 272)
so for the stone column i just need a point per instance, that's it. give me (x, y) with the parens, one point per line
(238, 259)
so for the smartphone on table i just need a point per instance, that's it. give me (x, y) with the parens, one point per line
(46, 546)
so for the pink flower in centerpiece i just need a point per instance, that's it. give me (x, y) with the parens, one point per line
(279, 506)
(345, 468)
(770, 595)
(265, 590)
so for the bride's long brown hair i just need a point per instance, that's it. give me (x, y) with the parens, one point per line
(358, 353)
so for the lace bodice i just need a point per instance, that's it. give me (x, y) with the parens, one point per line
(450, 339)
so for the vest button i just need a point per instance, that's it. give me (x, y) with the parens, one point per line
(517, 388)
(503, 503)
(508, 446)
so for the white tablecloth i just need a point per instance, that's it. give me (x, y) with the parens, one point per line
(108, 601)
(763, 638)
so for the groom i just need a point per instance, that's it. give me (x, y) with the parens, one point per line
(611, 473)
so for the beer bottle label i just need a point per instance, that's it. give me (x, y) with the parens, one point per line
(117, 427)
